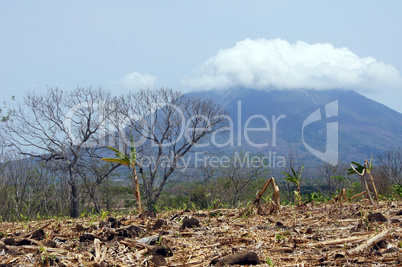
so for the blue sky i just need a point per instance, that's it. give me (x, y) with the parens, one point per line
(192, 45)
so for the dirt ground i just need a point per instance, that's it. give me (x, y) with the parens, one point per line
(349, 234)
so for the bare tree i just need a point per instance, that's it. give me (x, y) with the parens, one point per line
(58, 126)
(390, 165)
(93, 172)
(27, 189)
(165, 125)
(333, 174)
(240, 172)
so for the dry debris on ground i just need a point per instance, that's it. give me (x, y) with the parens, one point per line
(336, 234)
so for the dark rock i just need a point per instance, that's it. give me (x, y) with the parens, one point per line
(309, 231)
(158, 260)
(377, 217)
(24, 242)
(50, 244)
(190, 223)
(9, 241)
(38, 234)
(394, 220)
(164, 232)
(280, 225)
(245, 258)
(382, 244)
(113, 222)
(131, 231)
(339, 256)
(158, 224)
(399, 213)
(214, 261)
(147, 214)
(87, 237)
(79, 228)
(110, 237)
(162, 250)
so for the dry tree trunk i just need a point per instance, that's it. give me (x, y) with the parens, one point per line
(374, 187)
(339, 197)
(275, 203)
(137, 191)
(367, 189)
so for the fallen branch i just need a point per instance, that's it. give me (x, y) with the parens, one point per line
(356, 196)
(369, 242)
(38, 229)
(337, 241)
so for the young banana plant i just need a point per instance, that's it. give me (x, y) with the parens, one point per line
(362, 170)
(129, 161)
(295, 178)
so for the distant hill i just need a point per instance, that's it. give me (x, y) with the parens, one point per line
(366, 127)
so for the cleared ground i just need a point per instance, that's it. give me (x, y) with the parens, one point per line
(349, 234)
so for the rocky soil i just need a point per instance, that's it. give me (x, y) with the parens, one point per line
(349, 234)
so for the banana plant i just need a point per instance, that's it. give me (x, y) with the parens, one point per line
(295, 178)
(129, 161)
(362, 170)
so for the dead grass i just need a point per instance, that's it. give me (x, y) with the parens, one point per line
(311, 235)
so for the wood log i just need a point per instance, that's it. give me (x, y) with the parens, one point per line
(370, 242)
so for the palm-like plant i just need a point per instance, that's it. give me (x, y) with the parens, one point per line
(362, 170)
(294, 178)
(129, 161)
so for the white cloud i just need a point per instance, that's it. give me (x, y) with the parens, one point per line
(135, 81)
(276, 63)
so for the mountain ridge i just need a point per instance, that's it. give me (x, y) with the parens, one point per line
(365, 127)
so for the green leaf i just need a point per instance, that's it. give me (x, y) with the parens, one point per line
(133, 155)
(119, 161)
(119, 154)
(294, 172)
(358, 167)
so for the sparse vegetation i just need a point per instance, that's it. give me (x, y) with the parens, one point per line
(67, 162)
